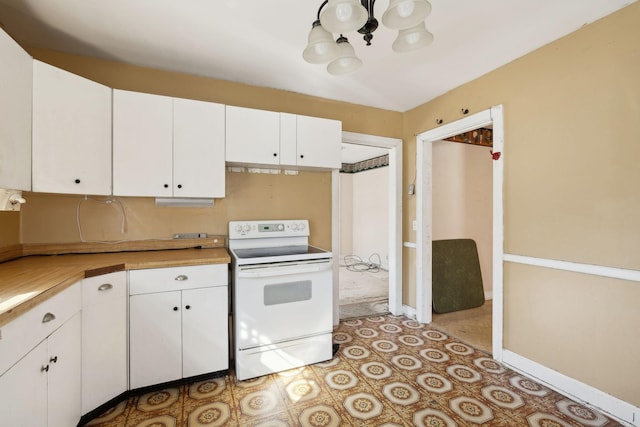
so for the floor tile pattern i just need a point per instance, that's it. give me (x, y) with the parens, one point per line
(390, 371)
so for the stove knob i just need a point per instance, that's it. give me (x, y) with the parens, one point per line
(301, 226)
(246, 228)
(294, 227)
(238, 228)
(280, 227)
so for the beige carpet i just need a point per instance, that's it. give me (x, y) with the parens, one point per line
(363, 293)
(361, 286)
(472, 326)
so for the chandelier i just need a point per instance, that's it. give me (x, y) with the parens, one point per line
(344, 16)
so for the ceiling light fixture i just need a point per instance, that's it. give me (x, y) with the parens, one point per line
(344, 16)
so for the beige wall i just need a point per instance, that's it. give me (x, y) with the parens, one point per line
(346, 214)
(51, 218)
(571, 158)
(9, 228)
(371, 215)
(462, 199)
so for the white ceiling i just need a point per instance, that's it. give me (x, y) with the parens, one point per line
(260, 42)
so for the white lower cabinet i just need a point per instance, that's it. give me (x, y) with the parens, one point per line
(64, 377)
(23, 391)
(178, 321)
(104, 339)
(43, 388)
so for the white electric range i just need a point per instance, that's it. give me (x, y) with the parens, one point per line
(282, 291)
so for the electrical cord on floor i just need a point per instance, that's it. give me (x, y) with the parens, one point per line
(355, 263)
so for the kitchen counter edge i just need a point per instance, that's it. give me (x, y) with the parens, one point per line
(27, 282)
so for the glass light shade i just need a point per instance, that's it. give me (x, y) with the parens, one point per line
(402, 14)
(343, 16)
(346, 62)
(413, 38)
(321, 47)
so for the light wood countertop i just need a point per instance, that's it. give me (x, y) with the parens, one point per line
(28, 281)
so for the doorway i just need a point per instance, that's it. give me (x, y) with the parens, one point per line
(492, 117)
(364, 240)
(394, 219)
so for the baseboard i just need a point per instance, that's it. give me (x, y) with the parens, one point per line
(410, 312)
(590, 396)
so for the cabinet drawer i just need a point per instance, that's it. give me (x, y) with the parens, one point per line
(177, 278)
(25, 332)
(103, 288)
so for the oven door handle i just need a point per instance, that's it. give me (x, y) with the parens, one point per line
(257, 272)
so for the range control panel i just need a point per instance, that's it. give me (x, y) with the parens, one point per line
(268, 228)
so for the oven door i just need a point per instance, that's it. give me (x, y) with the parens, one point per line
(274, 303)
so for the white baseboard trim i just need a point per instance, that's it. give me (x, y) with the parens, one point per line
(410, 312)
(620, 410)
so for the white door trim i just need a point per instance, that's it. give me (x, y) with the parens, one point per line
(395, 219)
(424, 159)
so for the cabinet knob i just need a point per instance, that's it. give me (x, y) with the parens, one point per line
(105, 287)
(182, 278)
(302, 156)
(77, 181)
(44, 368)
(166, 186)
(53, 359)
(179, 185)
(188, 307)
(175, 308)
(275, 154)
(48, 317)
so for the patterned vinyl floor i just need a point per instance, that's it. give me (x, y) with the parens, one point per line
(390, 371)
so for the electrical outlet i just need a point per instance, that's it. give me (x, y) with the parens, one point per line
(190, 236)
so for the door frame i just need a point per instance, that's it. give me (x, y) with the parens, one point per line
(424, 217)
(394, 145)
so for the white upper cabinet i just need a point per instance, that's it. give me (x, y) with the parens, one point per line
(253, 136)
(265, 138)
(198, 148)
(15, 115)
(71, 133)
(318, 142)
(167, 147)
(142, 144)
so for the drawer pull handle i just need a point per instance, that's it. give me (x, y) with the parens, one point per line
(53, 359)
(182, 278)
(44, 368)
(105, 287)
(48, 317)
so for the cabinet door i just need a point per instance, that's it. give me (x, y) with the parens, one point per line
(23, 391)
(155, 345)
(142, 144)
(64, 384)
(71, 133)
(319, 141)
(288, 140)
(104, 339)
(253, 136)
(15, 113)
(204, 331)
(198, 148)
